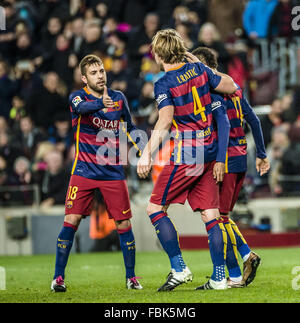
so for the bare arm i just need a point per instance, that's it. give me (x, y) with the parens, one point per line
(159, 133)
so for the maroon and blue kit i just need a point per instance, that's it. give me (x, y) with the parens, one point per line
(238, 110)
(98, 160)
(189, 174)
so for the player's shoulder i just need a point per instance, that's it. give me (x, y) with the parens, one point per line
(115, 94)
(76, 96)
(162, 83)
(75, 93)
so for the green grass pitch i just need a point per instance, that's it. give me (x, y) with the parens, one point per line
(99, 278)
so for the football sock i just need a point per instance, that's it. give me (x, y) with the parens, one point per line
(231, 255)
(217, 240)
(63, 247)
(241, 243)
(127, 244)
(168, 238)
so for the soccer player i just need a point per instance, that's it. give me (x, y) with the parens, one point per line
(96, 115)
(238, 110)
(184, 105)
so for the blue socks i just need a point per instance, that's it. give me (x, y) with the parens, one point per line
(217, 240)
(63, 248)
(127, 244)
(232, 263)
(168, 238)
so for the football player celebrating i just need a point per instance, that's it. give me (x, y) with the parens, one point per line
(238, 110)
(96, 116)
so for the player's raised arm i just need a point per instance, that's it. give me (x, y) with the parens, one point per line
(81, 106)
(220, 82)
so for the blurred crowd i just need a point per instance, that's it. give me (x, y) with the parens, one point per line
(45, 40)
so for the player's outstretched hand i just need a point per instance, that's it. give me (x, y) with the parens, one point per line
(262, 166)
(107, 101)
(144, 165)
(219, 171)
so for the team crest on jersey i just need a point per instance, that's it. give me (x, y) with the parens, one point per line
(160, 98)
(69, 204)
(76, 100)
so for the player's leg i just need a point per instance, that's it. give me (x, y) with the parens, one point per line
(78, 204)
(229, 192)
(63, 247)
(172, 186)
(169, 240)
(205, 197)
(217, 241)
(119, 210)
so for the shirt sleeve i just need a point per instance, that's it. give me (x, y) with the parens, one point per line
(256, 129)
(219, 112)
(81, 106)
(162, 95)
(213, 79)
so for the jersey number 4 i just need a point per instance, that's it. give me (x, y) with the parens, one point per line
(198, 108)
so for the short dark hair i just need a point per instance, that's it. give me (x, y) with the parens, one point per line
(207, 56)
(88, 61)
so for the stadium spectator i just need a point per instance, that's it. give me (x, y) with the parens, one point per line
(117, 77)
(92, 40)
(27, 137)
(54, 180)
(61, 133)
(7, 36)
(117, 42)
(209, 37)
(63, 60)
(184, 30)
(26, 52)
(21, 175)
(139, 43)
(46, 102)
(7, 89)
(3, 125)
(77, 33)
(8, 151)
(281, 20)
(4, 197)
(49, 34)
(271, 120)
(257, 17)
(17, 111)
(226, 15)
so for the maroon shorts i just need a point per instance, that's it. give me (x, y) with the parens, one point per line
(229, 191)
(178, 183)
(80, 196)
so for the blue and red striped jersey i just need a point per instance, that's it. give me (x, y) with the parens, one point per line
(238, 110)
(98, 137)
(187, 89)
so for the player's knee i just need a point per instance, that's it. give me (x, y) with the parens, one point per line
(153, 208)
(123, 224)
(73, 219)
(209, 215)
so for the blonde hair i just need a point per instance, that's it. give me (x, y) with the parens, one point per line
(169, 46)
